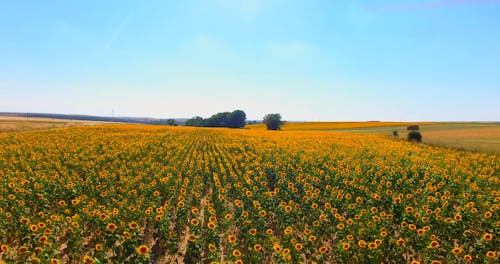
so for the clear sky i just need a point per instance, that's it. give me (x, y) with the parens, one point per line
(331, 60)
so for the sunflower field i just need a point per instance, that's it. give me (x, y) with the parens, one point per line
(156, 194)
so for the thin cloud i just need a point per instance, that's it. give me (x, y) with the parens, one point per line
(431, 5)
(118, 31)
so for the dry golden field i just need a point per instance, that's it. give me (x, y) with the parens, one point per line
(479, 137)
(18, 124)
(294, 126)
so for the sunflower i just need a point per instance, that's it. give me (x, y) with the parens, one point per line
(22, 250)
(110, 227)
(323, 250)
(346, 246)
(4, 248)
(372, 245)
(195, 222)
(456, 250)
(277, 247)
(98, 247)
(491, 254)
(193, 238)
(434, 244)
(362, 243)
(142, 250)
(487, 236)
(211, 247)
(88, 259)
(232, 239)
(133, 225)
(299, 246)
(257, 247)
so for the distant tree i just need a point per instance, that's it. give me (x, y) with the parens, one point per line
(415, 136)
(195, 121)
(171, 122)
(218, 120)
(273, 121)
(395, 133)
(237, 119)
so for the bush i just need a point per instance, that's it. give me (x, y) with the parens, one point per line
(415, 136)
(273, 121)
(395, 133)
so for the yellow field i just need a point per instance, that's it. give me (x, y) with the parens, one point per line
(142, 194)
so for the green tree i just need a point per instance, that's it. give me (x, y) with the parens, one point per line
(218, 120)
(415, 136)
(273, 121)
(195, 121)
(237, 119)
(171, 122)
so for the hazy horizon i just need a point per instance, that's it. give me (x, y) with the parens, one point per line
(381, 60)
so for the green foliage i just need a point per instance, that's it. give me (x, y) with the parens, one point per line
(235, 119)
(171, 122)
(395, 133)
(273, 121)
(415, 136)
(218, 120)
(196, 121)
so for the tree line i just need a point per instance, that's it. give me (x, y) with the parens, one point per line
(235, 119)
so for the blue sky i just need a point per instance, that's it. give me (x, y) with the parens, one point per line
(308, 60)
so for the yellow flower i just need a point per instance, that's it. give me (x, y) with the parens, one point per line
(491, 254)
(4, 248)
(346, 246)
(142, 250)
(487, 236)
(434, 244)
(111, 227)
(257, 247)
(456, 250)
(299, 246)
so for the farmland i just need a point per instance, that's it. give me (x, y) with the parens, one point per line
(470, 136)
(19, 124)
(140, 194)
(478, 137)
